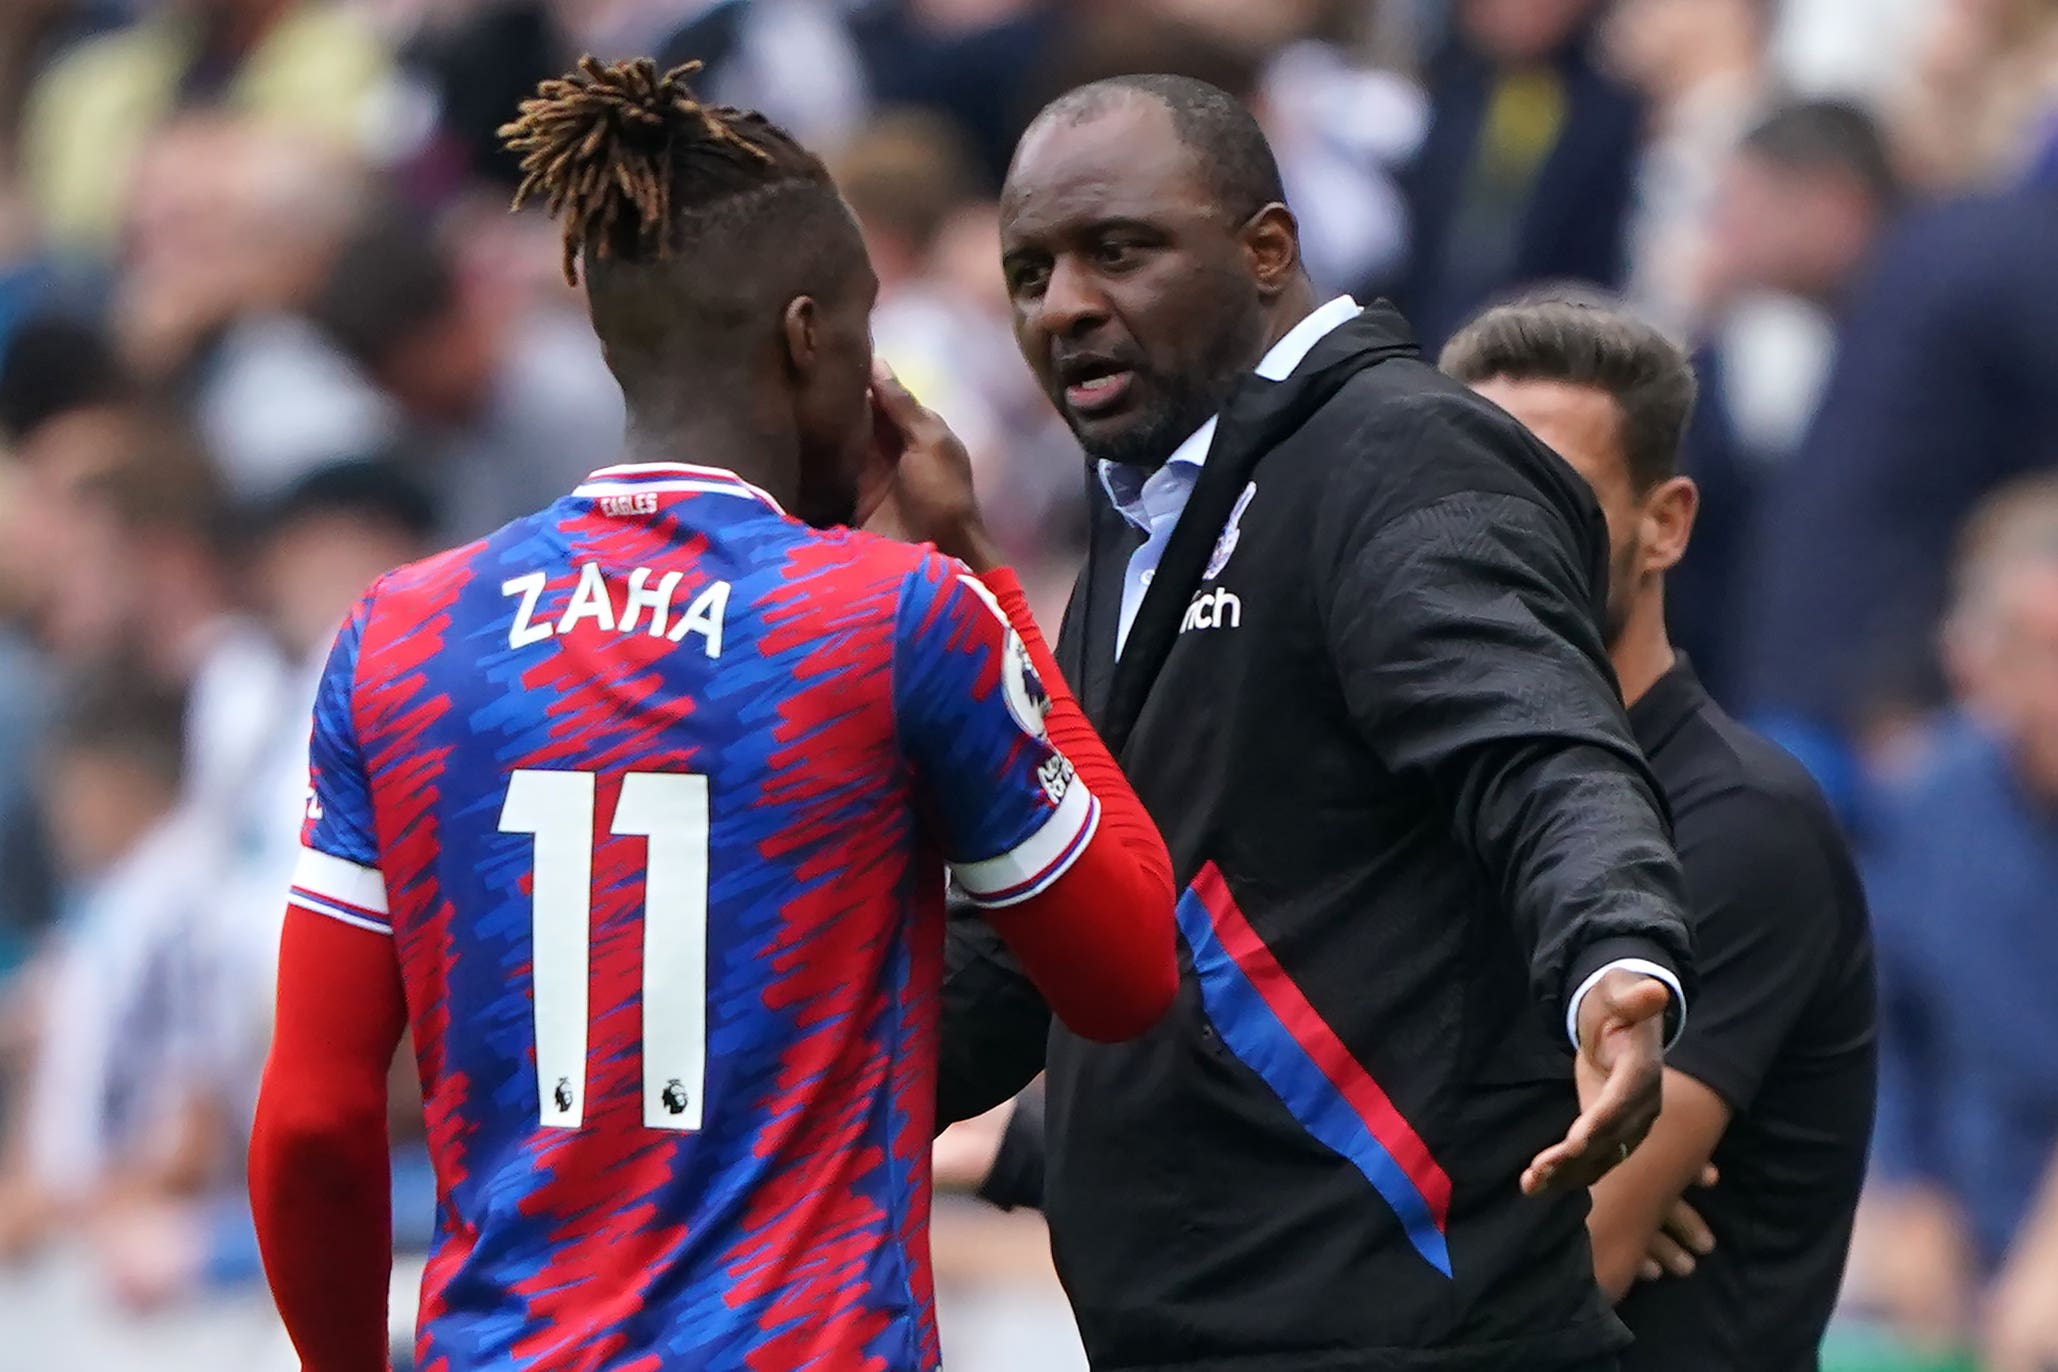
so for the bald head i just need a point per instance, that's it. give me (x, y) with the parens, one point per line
(1220, 133)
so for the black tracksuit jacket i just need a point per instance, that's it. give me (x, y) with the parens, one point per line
(1372, 714)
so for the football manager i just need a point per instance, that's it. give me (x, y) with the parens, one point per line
(1342, 622)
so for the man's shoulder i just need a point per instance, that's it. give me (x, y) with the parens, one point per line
(1747, 816)
(1713, 761)
(1415, 436)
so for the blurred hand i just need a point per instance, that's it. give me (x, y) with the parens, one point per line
(965, 1152)
(918, 484)
(2022, 1313)
(1912, 1258)
(151, 1252)
(25, 1218)
(1621, 1070)
(1682, 1239)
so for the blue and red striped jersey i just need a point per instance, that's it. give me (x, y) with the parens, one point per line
(654, 791)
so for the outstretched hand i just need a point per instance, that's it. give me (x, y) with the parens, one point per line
(1621, 1066)
(917, 485)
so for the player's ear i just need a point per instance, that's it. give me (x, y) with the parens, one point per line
(1272, 246)
(801, 333)
(1669, 511)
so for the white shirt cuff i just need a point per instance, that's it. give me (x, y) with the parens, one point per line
(1642, 967)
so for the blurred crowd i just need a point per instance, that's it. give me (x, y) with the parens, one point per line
(267, 329)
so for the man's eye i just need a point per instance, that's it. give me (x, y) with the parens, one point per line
(1115, 254)
(1026, 279)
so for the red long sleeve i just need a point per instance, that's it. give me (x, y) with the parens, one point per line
(320, 1169)
(1099, 942)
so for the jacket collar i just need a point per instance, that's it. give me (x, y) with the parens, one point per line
(1261, 414)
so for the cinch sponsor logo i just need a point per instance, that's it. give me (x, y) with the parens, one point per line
(1216, 609)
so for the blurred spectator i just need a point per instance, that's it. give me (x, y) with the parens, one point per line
(231, 228)
(509, 407)
(796, 60)
(1984, 87)
(114, 1042)
(2023, 1334)
(1797, 213)
(1528, 166)
(51, 365)
(54, 468)
(1341, 131)
(1855, 49)
(477, 64)
(1702, 66)
(1965, 863)
(1338, 129)
(43, 518)
(223, 217)
(308, 64)
(139, 569)
(1942, 390)
(1801, 205)
(980, 62)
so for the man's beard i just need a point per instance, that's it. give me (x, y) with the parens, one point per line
(1148, 441)
(1184, 400)
(1622, 590)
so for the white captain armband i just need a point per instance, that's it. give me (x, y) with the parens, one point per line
(342, 890)
(1030, 867)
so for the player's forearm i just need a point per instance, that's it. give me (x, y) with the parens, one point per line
(320, 1192)
(1620, 1228)
(320, 1172)
(1099, 942)
(1631, 1203)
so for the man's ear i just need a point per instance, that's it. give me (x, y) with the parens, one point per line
(800, 330)
(1668, 517)
(1272, 239)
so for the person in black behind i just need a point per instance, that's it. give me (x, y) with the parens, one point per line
(1341, 623)
(1775, 1074)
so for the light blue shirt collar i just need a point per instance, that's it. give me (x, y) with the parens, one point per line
(1131, 488)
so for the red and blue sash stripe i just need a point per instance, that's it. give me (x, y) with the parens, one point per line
(1266, 1020)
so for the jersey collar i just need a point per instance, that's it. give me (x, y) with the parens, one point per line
(630, 478)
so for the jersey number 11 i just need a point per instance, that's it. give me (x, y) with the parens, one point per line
(670, 811)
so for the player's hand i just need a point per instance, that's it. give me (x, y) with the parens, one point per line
(1621, 1068)
(965, 1152)
(1682, 1240)
(918, 485)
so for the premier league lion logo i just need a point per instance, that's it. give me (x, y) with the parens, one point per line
(1027, 701)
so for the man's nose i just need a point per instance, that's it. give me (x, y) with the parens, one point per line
(1072, 302)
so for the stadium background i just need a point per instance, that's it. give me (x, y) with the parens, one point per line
(266, 329)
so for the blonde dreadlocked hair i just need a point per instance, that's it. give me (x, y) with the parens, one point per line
(628, 157)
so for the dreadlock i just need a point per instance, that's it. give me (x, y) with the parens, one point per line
(628, 157)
